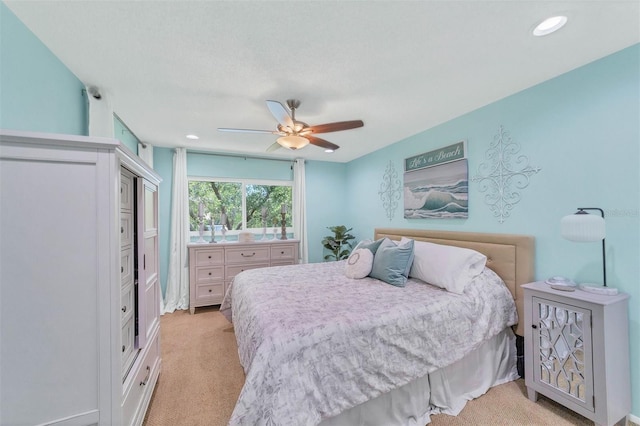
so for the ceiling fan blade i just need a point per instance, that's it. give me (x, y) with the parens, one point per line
(322, 143)
(274, 147)
(280, 113)
(224, 129)
(337, 126)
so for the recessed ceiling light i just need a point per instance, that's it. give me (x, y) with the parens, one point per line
(328, 150)
(194, 137)
(549, 25)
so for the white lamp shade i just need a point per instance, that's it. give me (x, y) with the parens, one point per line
(293, 141)
(583, 227)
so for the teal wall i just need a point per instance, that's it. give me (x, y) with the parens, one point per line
(37, 92)
(127, 138)
(583, 130)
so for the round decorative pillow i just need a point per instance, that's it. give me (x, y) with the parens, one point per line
(359, 264)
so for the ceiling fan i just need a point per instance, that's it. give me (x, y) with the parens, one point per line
(296, 134)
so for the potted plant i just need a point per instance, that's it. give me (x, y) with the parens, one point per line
(338, 243)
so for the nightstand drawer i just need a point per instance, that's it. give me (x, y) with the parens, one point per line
(206, 257)
(232, 271)
(247, 254)
(205, 275)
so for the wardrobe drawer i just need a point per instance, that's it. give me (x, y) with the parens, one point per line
(126, 302)
(232, 271)
(139, 388)
(126, 191)
(247, 254)
(128, 339)
(283, 252)
(204, 257)
(126, 229)
(206, 275)
(212, 293)
(126, 267)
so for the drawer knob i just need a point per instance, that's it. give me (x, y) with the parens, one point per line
(121, 269)
(209, 257)
(209, 273)
(248, 255)
(281, 252)
(124, 308)
(122, 230)
(209, 290)
(534, 326)
(122, 348)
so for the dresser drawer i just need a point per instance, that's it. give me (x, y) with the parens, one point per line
(205, 257)
(126, 266)
(206, 275)
(210, 293)
(281, 252)
(247, 254)
(232, 271)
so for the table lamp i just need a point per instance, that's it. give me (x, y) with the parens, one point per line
(584, 227)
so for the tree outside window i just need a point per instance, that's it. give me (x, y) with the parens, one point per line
(243, 202)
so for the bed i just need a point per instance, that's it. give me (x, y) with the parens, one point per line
(395, 356)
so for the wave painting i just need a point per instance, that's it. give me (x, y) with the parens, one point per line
(440, 191)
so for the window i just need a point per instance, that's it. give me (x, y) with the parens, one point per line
(244, 202)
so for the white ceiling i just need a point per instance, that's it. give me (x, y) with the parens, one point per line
(176, 67)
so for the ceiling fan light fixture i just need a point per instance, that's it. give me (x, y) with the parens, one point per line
(293, 141)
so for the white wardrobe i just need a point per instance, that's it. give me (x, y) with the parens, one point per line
(79, 288)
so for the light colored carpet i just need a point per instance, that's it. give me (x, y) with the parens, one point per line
(201, 379)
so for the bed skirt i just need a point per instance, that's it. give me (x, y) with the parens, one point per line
(445, 391)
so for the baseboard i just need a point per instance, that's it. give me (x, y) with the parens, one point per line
(634, 419)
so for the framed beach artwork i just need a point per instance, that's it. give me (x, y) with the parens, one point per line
(439, 191)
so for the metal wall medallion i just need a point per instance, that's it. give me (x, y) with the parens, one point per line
(390, 190)
(503, 175)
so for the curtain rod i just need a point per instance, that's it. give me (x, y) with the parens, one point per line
(144, 145)
(241, 156)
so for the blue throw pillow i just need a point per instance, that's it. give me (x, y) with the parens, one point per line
(391, 262)
(368, 244)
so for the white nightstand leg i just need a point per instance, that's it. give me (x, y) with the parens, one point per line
(192, 310)
(532, 394)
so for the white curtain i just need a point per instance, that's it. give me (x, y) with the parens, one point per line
(177, 293)
(300, 209)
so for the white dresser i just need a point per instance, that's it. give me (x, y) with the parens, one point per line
(80, 297)
(213, 266)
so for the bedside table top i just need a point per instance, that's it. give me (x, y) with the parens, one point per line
(578, 294)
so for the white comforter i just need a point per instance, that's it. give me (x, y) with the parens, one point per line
(314, 343)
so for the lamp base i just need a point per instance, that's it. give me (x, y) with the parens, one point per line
(599, 289)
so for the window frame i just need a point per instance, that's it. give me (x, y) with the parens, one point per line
(243, 188)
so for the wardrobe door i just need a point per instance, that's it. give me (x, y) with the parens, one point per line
(148, 284)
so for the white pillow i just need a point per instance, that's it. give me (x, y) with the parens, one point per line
(359, 264)
(448, 267)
